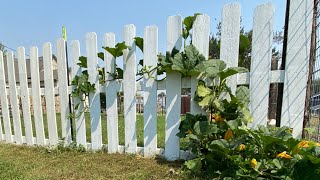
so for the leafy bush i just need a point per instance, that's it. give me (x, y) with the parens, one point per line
(226, 148)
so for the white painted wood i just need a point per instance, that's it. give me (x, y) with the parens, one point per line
(260, 71)
(230, 33)
(200, 39)
(79, 116)
(94, 97)
(14, 99)
(298, 53)
(49, 94)
(4, 102)
(277, 76)
(111, 96)
(24, 95)
(36, 96)
(150, 50)
(63, 93)
(173, 92)
(129, 89)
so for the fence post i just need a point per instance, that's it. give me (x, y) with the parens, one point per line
(111, 95)
(296, 69)
(36, 96)
(129, 89)
(24, 94)
(260, 71)
(230, 33)
(94, 97)
(4, 102)
(14, 99)
(80, 121)
(200, 39)
(49, 94)
(63, 90)
(150, 50)
(173, 92)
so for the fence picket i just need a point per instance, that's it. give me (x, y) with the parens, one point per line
(259, 79)
(4, 102)
(298, 54)
(230, 33)
(63, 90)
(173, 92)
(49, 94)
(36, 97)
(111, 96)
(78, 113)
(260, 71)
(129, 89)
(150, 50)
(200, 39)
(24, 95)
(94, 97)
(14, 99)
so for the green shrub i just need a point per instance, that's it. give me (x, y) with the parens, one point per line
(226, 148)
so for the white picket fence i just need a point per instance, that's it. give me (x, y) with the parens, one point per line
(259, 79)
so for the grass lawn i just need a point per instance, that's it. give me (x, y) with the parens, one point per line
(140, 125)
(23, 162)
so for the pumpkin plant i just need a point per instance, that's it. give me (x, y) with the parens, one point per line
(226, 148)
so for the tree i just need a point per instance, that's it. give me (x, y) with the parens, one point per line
(245, 46)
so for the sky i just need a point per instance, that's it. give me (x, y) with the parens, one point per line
(33, 22)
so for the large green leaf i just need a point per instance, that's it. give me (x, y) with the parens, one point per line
(139, 43)
(206, 101)
(82, 62)
(220, 145)
(101, 55)
(117, 51)
(243, 95)
(194, 165)
(204, 127)
(202, 89)
(185, 62)
(188, 21)
(213, 67)
(231, 71)
(177, 64)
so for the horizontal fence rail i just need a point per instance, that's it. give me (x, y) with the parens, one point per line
(258, 79)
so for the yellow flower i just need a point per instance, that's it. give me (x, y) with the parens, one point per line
(189, 131)
(228, 135)
(317, 144)
(303, 144)
(284, 155)
(218, 118)
(253, 163)
(242, 147)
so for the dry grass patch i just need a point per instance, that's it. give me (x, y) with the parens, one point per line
(23, 162)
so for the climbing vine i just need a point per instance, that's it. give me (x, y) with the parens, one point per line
(187, 62)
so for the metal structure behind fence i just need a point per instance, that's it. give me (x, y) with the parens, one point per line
(312, 128)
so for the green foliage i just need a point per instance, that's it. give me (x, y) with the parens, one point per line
(117, 51)
(139, 43)
(188, 24)
(186, 62)
(226, 148)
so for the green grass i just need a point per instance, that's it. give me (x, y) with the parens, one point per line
(140, 125)
(23, 162)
